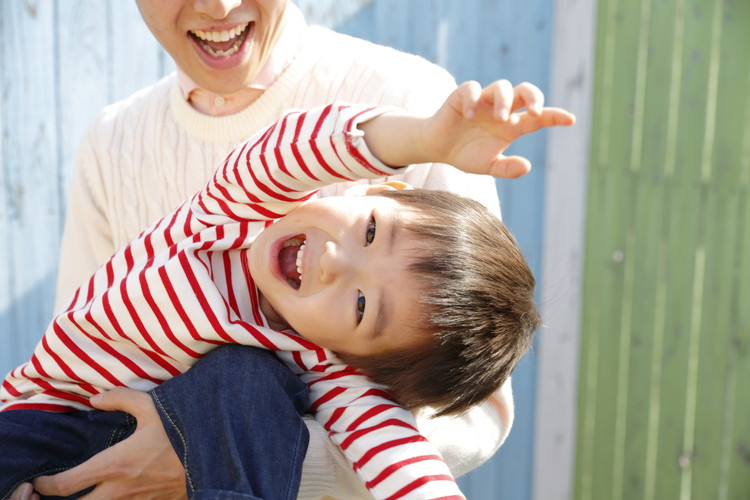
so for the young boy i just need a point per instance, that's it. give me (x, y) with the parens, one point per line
(424, 292)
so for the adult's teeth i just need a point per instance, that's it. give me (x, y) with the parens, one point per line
(221, 36)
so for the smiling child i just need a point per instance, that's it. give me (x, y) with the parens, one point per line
(424, 292)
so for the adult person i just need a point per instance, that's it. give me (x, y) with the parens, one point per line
(241, 64)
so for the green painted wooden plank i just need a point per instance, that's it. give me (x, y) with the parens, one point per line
(704, 416)
(723, 216)
(603, 268)
(603, 271)
(686, 247)
(735, 465)
(642, 382)
(680, 273)
(610, 240)
(650, 319)
(636, 382)
(711, 387)
(736, 477)
(660, 467)
(733, 75)
(678, 439)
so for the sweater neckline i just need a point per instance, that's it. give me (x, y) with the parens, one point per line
(239, 126)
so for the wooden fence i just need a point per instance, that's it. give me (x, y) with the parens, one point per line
(636, 221)
(61, 61)
(663, 401)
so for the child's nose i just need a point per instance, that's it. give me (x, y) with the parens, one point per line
(334, 263)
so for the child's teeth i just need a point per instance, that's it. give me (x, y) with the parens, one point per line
(300, 254)
(293, 242)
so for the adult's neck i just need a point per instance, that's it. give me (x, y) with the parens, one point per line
(212, 104)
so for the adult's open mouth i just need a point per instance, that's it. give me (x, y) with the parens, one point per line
(222, 43)
(290, 260)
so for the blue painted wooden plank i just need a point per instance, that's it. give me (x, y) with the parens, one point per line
(514, 44)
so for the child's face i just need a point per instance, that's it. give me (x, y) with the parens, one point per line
(354, 295)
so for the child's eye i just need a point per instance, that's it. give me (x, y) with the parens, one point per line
(370, 233)
(360, 306)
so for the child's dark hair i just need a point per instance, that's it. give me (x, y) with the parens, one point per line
(477, 305)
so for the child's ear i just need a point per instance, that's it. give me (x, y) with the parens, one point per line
(365, 189)
(387, 186)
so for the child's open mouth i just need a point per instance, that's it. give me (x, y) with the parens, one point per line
(290, 260)
(222, 43)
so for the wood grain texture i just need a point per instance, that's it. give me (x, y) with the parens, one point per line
(664, 327)
(567, 161)
(62, 62)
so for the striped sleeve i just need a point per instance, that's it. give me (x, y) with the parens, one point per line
(285, 164)
(378, 437)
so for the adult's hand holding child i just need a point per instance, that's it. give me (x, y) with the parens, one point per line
(142, 466)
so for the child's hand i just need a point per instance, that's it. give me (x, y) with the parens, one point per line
(475, 126)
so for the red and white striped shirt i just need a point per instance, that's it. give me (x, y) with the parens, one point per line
(183, 287)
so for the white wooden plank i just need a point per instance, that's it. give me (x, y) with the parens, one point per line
(330, 13)
(30, 202)
(61, 62)
(571, 83)
(137, 59)
(83, 62)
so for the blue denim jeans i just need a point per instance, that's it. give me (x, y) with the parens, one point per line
(234, 419)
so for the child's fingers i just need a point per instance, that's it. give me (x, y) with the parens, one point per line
(509, 167)
(548, 117)
(469, 94)
(529, 96)
(499, 94)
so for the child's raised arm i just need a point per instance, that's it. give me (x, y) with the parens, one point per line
(470, 131)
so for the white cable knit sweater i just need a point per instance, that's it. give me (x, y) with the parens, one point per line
(147, 153)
